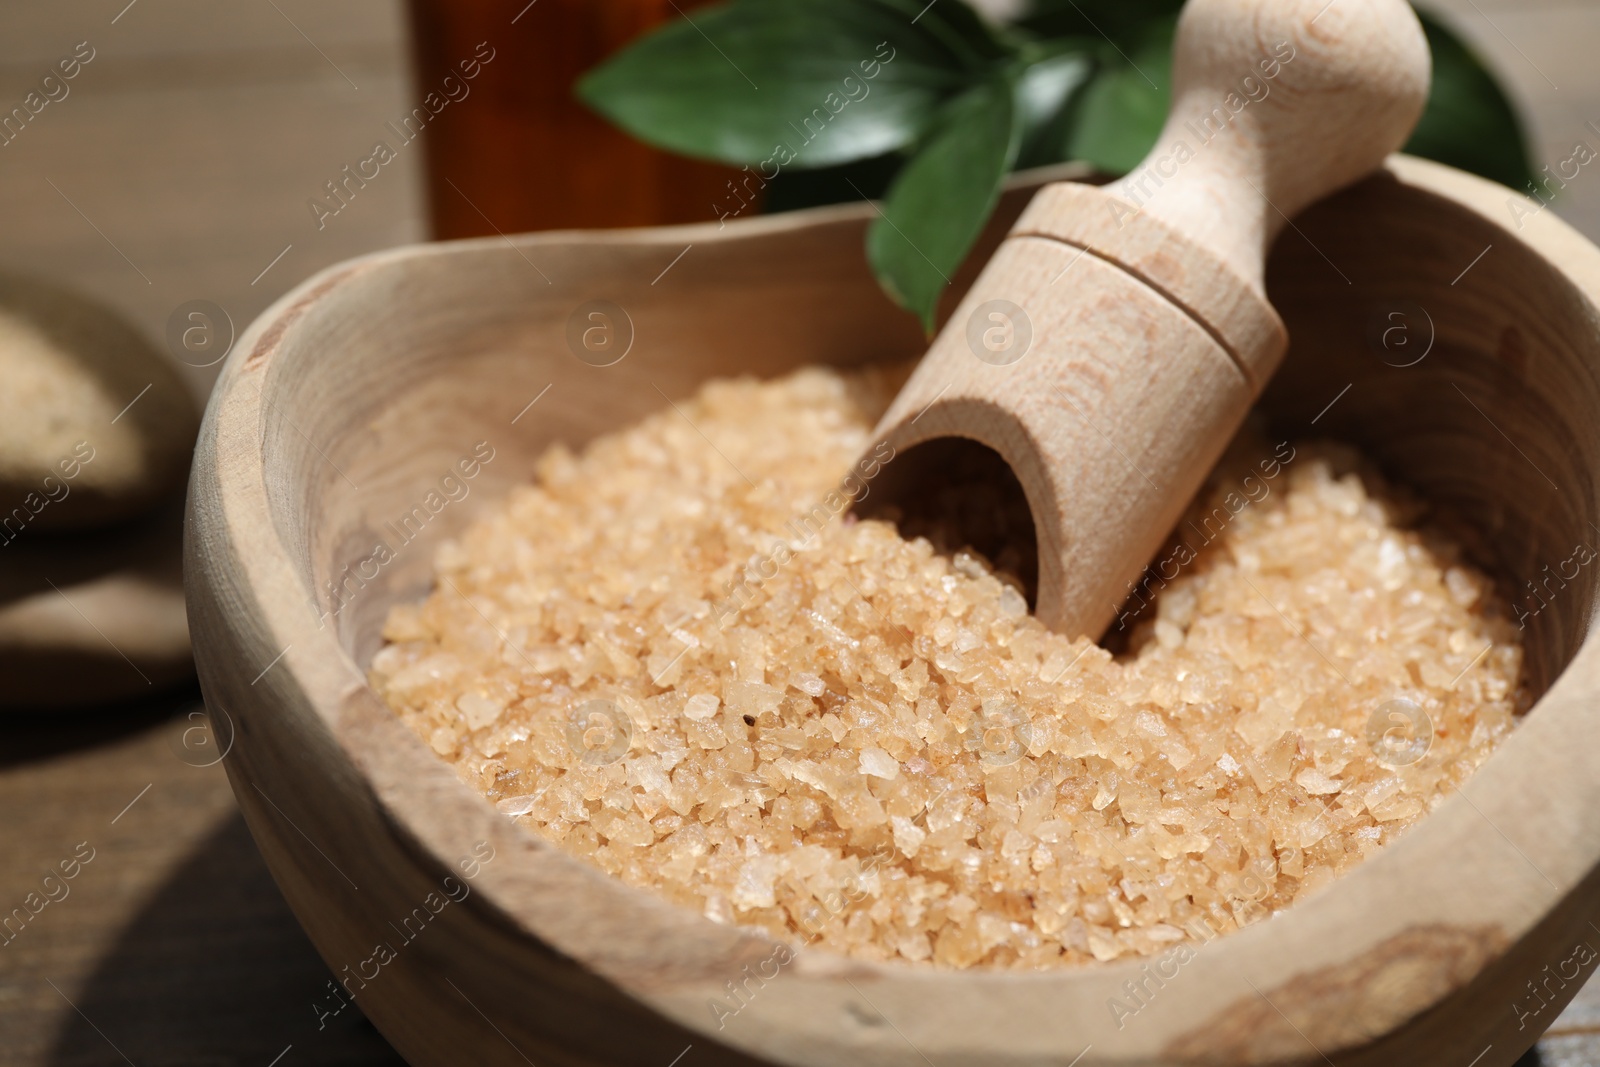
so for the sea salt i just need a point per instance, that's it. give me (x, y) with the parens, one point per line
(866, 743)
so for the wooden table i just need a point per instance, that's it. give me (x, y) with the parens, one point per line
(172, 945)
(179, 168)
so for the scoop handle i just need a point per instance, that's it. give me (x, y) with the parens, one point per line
(1276, 104)
(1139, 327)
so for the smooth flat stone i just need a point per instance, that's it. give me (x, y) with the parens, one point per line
(95, 424)
(92, 618)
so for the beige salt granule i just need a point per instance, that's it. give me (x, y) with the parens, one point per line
(823, 730)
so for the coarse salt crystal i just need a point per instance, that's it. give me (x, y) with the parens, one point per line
(701, 707)
(478, 710)
(878, 763)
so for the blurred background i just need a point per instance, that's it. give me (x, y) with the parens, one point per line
(186, 163)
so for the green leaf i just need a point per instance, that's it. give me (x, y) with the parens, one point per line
(1047, 87)
(1468, 122)
(794, 189)
(1122, 22)
(956, 24)
(804, 83)
(1122, 110)
(1050, 74)
(938, 204)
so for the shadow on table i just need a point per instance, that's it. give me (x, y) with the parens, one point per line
(39, 735)
(215, 971)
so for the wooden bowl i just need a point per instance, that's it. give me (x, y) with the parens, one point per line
(350, 400)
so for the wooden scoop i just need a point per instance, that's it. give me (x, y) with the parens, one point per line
(1115, 341)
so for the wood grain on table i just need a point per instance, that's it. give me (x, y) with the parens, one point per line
(178, 168)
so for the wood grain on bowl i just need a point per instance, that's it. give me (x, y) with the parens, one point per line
(348, 401)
